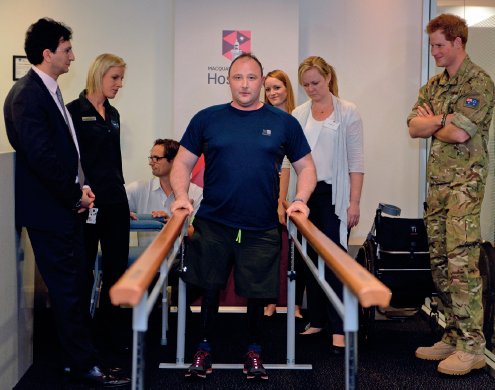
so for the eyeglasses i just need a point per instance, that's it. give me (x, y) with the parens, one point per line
(154, 158)
(66, 51)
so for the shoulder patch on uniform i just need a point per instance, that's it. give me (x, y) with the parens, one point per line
(470, 102)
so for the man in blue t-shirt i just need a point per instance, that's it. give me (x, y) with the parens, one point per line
(244, 143)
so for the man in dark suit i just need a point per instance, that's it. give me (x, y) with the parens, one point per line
(49, 193)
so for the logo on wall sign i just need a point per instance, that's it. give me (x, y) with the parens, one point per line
(235, 42)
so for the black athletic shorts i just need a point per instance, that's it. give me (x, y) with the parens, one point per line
(214, 248)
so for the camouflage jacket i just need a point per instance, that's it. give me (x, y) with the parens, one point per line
(470, 96)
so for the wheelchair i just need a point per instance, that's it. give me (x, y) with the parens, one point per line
(396, 252)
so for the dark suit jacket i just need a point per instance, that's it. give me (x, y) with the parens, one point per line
(46, 158)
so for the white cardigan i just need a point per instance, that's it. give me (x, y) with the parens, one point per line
(346, 114)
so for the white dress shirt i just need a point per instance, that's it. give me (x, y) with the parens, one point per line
(52, 86)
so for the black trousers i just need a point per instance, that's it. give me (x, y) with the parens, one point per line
(322, 215)
(112, 232)
(209, 312)
(299, 267)
(60, 259)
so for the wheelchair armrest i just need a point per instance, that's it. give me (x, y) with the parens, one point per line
(389, 209)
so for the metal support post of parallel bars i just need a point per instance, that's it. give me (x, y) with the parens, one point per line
(351, 326)
(143, 309)
(181, 312)
(347, 310)
(181, 324)
(139, 327)
(291, 311)
(165, 304)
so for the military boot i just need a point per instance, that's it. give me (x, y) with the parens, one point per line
(461, 362)
(439, 351)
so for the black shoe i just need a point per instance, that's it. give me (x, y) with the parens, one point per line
(337, 351)
(97, 376)
(201, 365)
(114, 371)
(253, 367)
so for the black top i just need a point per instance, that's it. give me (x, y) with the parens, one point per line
(243, 153)
(99, 146)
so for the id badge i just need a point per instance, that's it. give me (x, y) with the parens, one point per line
(92, 215)
(331, 124)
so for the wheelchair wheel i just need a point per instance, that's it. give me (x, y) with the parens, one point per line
(487, 269)
(366, 258)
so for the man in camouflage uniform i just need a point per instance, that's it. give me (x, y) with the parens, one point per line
(455, 108)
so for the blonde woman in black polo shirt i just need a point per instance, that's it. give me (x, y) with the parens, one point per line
(97, 126)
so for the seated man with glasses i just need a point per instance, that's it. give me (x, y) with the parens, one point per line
(155, 196)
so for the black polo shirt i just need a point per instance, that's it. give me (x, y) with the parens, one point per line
(99, 145)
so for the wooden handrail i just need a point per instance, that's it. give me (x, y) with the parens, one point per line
(366, 287)
(130, 288)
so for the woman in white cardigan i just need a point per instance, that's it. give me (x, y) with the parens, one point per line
(334, 130)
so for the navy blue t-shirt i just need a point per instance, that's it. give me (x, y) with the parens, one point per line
(243, 153)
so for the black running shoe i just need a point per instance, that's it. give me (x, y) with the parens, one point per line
(201, 365)
(253, 367)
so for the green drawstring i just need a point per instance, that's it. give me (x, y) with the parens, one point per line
(192, 220)
(238, 239)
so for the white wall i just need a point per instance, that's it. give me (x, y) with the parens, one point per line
(374, 45)
(8, 279)
(16, 287)
(202, 90)
(481, 22)
(141, 32)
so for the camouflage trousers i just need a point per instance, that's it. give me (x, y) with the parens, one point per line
(452, 220)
